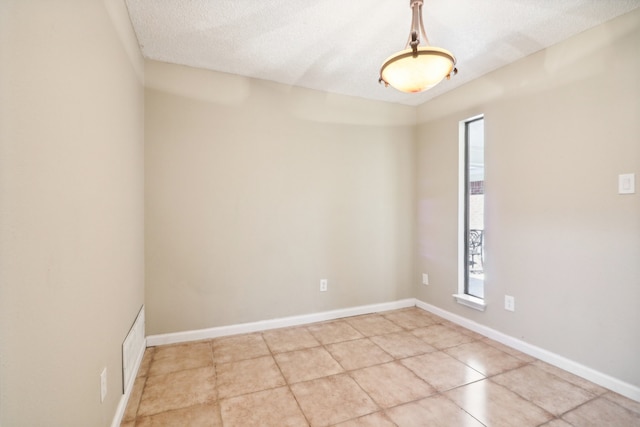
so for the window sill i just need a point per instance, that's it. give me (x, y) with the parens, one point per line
(470, 301)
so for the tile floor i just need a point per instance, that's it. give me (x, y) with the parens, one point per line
(397, 368)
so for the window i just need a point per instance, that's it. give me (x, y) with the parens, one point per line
(471, 214)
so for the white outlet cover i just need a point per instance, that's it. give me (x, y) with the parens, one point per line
(509, 303)
(425, 279)
(627, 183)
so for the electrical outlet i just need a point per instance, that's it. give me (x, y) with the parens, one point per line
(627, 183)
(103, 384)
(509, 303)
(323, 285)
(425, 279)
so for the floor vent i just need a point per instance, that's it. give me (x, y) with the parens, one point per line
(132, 351)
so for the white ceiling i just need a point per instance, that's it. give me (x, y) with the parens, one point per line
(338, 46)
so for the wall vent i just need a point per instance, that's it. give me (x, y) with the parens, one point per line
(132, 351)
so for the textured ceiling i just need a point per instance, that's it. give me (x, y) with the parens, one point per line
(338, 46)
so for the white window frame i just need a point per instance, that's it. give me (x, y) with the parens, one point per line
(461, 296)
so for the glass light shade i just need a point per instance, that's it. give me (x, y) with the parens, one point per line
(414, 72)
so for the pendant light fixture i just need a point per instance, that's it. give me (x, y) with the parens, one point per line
(417, 68)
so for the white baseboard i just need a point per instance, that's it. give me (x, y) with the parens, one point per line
(263, 325)
(604, 380)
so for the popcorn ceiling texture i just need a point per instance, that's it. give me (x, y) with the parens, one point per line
(338, 46)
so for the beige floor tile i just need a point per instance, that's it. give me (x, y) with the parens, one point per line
(377, 419)
(625, 402)
(281, 340)
(331, 400)
(143, 371)
(436, 411)
(402, 344)
(358, 354)
(483, 358)
(248, 376)
(192, 384)
(449, 324)
(494, 405)
(195, 416)
(178, 390)
(476, 336)
(240, 347)
(391, 384)
(441, 370)
(308, 364)
(333, 332)
(134, 399)
(179, 357)
(441, 336)
(509, 350)
(602, 412)
(143, 422)
(269, 408)
(556, 423)
(411, 318)
(373, 324)
(573, 379)
(544, 389)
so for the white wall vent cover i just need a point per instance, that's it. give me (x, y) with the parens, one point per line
(132, 351)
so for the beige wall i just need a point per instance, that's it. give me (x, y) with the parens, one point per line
(255, 191)
(71, 208)
(560, 126)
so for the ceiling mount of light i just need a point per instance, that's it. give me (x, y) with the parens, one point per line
(417, 68)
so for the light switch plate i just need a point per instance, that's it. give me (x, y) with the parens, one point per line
(627, 183)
